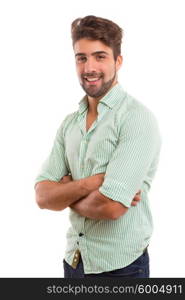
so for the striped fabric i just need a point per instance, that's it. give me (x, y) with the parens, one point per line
(124, 142)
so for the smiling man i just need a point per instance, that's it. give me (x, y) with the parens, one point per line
(96, 67)
(102, 163)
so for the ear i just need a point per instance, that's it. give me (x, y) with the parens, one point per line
(119, 62)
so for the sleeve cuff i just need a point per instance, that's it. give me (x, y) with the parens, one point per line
(116, 191)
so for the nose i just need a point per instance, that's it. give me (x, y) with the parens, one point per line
(90, 65)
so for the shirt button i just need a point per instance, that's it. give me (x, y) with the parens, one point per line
(81, 234)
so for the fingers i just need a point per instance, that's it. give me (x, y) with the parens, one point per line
(134, 203)
(136, 199)
(137, 196)
(139, 192)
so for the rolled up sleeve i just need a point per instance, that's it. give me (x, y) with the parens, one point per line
(139, 144)
(55, 166)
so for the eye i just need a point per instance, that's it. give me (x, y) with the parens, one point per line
(81, 59)
(100, 57)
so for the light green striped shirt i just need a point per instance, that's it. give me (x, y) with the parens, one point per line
(124, 142)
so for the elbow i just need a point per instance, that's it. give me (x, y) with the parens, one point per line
(40, 197)
(40, 202)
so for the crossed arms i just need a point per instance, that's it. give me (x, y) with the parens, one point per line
(81, 195)
(139, 143)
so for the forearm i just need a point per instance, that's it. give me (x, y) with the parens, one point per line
(57, 195)
(95, 206)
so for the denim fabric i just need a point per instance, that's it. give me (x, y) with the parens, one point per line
(138, 269)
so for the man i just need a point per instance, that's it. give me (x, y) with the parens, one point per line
(102, 163)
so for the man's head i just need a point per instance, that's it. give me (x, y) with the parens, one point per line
(97, 47)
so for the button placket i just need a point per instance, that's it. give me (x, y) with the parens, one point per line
(83, 150)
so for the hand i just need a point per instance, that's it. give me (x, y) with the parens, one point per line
(66, 179)
(136, 199)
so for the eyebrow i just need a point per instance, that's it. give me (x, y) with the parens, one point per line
(94, 53)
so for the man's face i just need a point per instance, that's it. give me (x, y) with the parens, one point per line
(96, 67)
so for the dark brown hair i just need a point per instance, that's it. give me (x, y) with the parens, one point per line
(96, 28)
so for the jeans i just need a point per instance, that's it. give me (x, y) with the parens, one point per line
(138, 269)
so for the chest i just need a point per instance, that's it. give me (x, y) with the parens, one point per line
(90, 118)
(91, 145)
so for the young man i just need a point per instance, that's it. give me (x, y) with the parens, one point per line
(103, 154)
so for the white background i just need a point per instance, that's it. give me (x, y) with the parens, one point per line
(39, 87)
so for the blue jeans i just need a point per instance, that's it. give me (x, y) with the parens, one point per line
(138, 269)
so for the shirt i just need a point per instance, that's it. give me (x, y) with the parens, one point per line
(124, 142)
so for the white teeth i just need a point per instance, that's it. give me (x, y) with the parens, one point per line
(92, 79)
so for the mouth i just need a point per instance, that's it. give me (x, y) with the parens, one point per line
(92, 80)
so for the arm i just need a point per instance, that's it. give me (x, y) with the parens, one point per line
(132, 162)
(97, 206)
(125, 173)
(50, 193)
(57, 196)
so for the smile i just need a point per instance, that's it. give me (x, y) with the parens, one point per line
(92, 79)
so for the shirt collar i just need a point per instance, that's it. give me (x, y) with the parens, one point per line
(114, 96)
(83, 105)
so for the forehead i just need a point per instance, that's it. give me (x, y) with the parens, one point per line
(90, 46)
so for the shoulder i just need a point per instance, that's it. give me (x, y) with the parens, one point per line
(136, 119)
(66, 123)
(133, 112)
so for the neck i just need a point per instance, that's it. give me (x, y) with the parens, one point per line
(93, 102)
